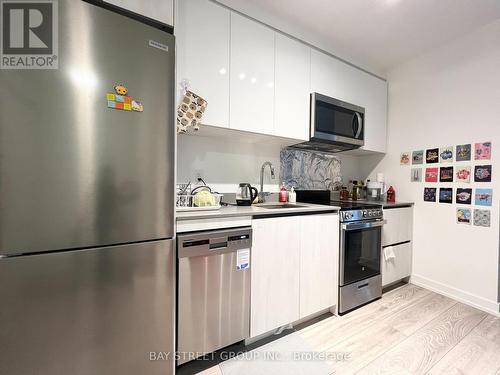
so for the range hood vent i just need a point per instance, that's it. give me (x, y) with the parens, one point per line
(324, 146)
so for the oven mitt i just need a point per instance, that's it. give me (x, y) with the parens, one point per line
(190, 112)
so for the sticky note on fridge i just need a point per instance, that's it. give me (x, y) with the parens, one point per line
(243, 259)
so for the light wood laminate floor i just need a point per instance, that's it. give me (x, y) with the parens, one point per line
(409, 331)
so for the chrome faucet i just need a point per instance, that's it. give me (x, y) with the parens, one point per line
(262, 195)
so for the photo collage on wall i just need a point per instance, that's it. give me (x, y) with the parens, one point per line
(462, 165)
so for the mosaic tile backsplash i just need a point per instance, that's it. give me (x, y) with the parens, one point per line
(309, 170)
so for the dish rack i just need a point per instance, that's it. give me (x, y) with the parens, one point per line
(188, 202)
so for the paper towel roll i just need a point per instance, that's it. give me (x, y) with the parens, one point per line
(380, 177)
(389, 253)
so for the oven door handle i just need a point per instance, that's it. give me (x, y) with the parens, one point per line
(355, 226)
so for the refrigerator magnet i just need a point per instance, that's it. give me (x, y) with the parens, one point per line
(416, 174)
(122, 101)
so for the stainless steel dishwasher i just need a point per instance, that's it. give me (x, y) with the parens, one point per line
(213, 290)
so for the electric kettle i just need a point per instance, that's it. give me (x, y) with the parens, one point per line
(245, 194)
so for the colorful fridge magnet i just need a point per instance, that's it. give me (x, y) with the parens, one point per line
(462, 153)
(482, 151)
(445, 195)
(417, 157)
(431, 174)
(484, 197)
(432, 156)
(464, 216)
(463, 174)
(463, 196)
(446, 154)
(482, 173)
(404, 158)
(482, 218)
(416, 175)
(446, 174)
(121, 100)
(430, 194)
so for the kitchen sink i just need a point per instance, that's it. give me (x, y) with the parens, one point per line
(277, 206)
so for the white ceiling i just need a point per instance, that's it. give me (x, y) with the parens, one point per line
(375, 34)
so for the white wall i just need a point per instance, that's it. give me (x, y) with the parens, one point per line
(226, 161)
(447, 97)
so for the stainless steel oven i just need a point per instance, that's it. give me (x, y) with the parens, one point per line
(360, 257)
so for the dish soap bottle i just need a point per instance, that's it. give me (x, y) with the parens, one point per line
(292, 196)
(283, 194)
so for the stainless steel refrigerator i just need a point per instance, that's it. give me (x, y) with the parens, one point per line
(86, 202)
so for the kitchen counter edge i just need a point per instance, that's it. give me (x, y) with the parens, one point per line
(254, 211)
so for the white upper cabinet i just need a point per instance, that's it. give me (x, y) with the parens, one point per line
(160, 10)
(202, 31)
(334, 78)
(375, 103)
(251, 76)
(292, 88)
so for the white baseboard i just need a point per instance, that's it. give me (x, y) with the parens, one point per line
(491, 307)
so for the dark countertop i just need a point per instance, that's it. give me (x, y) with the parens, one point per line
(397, 204)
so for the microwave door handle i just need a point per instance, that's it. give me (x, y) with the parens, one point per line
(360, 125)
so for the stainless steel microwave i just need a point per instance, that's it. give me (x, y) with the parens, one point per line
(335, 125)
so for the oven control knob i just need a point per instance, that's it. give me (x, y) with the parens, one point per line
(370, 213)
(364, 213)
(348, 215)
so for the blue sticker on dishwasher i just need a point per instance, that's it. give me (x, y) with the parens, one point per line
(243, 259)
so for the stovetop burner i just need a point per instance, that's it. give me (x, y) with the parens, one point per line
(350, 210)
(355, 205)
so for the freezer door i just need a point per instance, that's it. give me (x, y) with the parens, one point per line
(73, 172)
(99, 311)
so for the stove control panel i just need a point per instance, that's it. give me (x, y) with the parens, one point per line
(361, 214)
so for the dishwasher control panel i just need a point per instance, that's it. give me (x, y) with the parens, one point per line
(201, 243)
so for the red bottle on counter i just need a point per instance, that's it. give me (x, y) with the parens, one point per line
(283, 194)
(391, 195)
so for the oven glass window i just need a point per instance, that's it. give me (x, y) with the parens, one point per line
(335, 120)
(362, 253)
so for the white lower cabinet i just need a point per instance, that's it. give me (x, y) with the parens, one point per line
(319, 238)
(398, 268)
(275, 276)
(294, 269)
(397, 233)
(399, 225)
